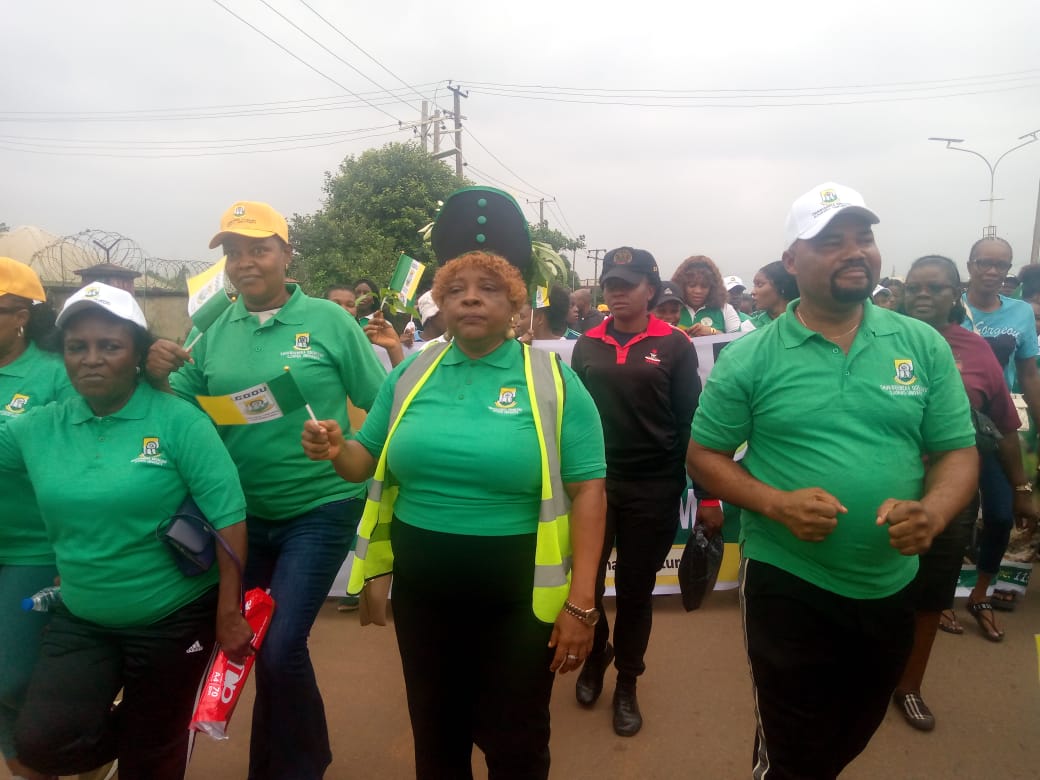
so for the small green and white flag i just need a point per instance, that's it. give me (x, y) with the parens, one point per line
(541, 298)
(405, 281)
(257, 404)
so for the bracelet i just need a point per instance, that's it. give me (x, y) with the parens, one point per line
(710, 503)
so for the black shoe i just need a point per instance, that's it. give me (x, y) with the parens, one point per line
(590, 681)
(914, 710)
(627, 719)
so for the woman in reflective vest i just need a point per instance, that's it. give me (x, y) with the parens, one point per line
(477, 447)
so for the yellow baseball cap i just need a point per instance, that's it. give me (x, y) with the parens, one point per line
(252, 219)
(19, 279)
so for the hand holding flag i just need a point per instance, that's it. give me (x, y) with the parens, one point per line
(207, 299)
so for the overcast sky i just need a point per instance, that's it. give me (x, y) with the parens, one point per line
(675, 175)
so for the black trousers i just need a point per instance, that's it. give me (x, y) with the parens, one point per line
(642, 518)
(68, 724)
(823, 666)
(476, 659)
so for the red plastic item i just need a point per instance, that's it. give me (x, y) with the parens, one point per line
(224, 681)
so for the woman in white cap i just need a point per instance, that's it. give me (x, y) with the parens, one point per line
(29, 377)
(109, 467)
(301, 516)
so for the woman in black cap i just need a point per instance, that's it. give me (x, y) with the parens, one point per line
(642, 374)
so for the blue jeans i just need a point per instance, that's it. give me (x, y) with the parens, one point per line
(997, 513)
(298, 560)
(19, 641)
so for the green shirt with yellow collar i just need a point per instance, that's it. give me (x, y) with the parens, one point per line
(330, 359)
(855, 425)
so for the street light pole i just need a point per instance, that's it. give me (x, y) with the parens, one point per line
(990, 229)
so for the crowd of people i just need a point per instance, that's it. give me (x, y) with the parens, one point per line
(844, 580)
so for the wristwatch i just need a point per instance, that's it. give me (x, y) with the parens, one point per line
(1025, 487)
(587, 616)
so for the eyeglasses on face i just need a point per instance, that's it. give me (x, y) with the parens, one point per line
(992, 265)
(932, 288)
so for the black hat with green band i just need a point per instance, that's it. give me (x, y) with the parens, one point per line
(482, 219)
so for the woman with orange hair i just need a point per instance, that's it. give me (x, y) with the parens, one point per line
(461, 431)
(707, 312)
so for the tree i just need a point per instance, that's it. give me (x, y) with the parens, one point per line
(554, 238)
(373, 209)
(3, 227)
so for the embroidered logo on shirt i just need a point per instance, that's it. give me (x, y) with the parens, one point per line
(707, 321)
(150, 452)
(17, 404)
(506, 398)
(905, 371)
(653, 358)
(303, 341)
(195, 648)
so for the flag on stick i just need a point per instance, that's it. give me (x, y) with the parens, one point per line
(207, 298)
(541, 298)
(260, 403)
(405, 280)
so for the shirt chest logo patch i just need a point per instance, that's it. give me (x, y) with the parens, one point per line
(303, 342)
(905, 371)
(151, 452)
(652, 358)
(17, 404)
(708, 321)
(506, 403)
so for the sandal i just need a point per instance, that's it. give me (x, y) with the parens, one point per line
(1003, 599)
(948, 622)
(982, 611)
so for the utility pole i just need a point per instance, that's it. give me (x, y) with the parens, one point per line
(458, 94)
(595, 253)
(541, 209)
(437, 133)
(424, 127)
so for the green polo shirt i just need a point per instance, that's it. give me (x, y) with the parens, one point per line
(854, 425)
(330, 358)
(104, 485)
(35, 378)
(466, 452)
(760, 319)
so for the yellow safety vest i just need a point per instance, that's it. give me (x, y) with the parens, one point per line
(374, 556)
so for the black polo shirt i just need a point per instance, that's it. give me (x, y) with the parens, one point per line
(646, 391)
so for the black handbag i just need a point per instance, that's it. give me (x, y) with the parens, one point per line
(699, 567)
(192, 540)
(987, 435)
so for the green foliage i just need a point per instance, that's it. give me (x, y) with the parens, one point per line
(554, 238)
(3, 227)
(373, 209)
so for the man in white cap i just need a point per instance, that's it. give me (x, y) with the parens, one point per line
(836, 506)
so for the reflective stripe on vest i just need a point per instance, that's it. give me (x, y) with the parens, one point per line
(373, 554)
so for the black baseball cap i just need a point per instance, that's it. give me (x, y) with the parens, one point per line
(669, 292)
(631, 265)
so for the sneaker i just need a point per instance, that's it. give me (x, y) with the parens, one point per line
(914, 710)
(348, 604)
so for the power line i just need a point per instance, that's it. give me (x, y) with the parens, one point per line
(592, 100)
(330, 51)
(161, 155)
(32, 140)
(555, 206)
(1013, 75)
(496, 159)
(499, 182)
(357, 46)
(303, 61)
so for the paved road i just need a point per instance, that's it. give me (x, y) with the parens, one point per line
(696, 702)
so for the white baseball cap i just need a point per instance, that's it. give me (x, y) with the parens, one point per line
(733, 281)
(814, 210)
(427, 308)
(105, 297)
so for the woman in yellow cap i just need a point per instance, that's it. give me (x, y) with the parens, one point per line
(29, 377)
(301, 516)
